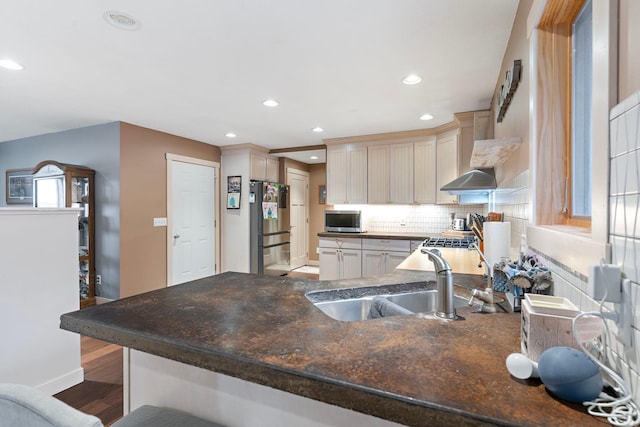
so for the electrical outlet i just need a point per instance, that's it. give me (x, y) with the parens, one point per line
(605, 280)
(98, 279)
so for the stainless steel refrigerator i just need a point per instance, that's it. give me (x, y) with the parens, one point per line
(270, 230)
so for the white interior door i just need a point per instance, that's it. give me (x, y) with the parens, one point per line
(298, 182)
(192, 221)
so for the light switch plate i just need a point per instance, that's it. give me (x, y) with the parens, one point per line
(159, 222)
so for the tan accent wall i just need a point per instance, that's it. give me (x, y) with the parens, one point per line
(143, 196)
(629, 49)
(286, 163)
(516, 119)
(316, 210)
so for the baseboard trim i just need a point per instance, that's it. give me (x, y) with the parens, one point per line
(313, 262)
(63, 382)
(102, 300)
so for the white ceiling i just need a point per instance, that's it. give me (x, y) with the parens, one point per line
(201, 68)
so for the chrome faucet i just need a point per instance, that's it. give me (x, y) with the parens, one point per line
(444, 282)
(486, 296)
(487, 267)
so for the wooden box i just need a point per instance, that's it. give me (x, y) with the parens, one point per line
(542, 331)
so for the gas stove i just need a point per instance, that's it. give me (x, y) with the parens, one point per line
(448, 242)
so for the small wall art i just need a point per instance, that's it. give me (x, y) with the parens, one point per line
(234, 190)
(322, 195)
(19, 189)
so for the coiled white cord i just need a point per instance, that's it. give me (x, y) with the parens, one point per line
(619, 411)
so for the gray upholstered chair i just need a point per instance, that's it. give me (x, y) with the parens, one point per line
(26, 407)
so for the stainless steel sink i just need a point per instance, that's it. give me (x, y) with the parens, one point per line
(347, 310)
(340, 306)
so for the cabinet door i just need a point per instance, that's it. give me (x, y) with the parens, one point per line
(357, 175)
(394, 259)
(378, 174)
(336, 175)
(447, 165)
(329, 264)
(351, 263)
(424, 171)
(273, 170)
(258, 167)
(401, 173)
(373, 263)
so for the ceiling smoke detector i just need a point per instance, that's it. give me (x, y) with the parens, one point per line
(121, 20)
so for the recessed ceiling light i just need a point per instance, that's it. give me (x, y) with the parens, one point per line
(231, 135)
(270, 103)
(121, 20)
(317, 129)
(426, 117)
(412, 79)
(10, 65)
(314, 157)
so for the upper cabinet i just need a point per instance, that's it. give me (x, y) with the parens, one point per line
(264, 168)
(346, 174)
(446, 165)
(378, 164)
(403, 167)
(401, 173)
(424, 171)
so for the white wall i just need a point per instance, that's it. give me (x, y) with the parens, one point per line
(38, 283)
(235, 222)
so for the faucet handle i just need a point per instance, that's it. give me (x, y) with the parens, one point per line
(435, 256)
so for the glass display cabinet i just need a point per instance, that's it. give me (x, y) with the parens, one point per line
(57, 185)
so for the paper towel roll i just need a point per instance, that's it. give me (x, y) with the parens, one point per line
(497, 239)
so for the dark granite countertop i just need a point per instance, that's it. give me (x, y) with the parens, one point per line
(406, 369)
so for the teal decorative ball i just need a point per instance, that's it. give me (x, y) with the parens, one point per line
(570, 374)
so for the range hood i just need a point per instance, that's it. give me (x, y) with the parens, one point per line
(476, 181)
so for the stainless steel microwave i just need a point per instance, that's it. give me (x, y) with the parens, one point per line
(343, 221)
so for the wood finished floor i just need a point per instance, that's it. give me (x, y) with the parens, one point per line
(101, 392)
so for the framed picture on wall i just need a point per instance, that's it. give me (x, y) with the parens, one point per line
(19, 187)
(234, 190)
(322, 194)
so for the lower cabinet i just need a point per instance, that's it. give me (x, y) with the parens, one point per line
(340, 258)
(352, 258)
(381, 256)
(376, 263)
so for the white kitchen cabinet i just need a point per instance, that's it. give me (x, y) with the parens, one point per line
(401, 173)
(424, 171)
(273, 169)
(340, 258)
(258, 167)
(415, 244)
(378, 174)
(347, 174)
(382, 256)
(264, 168)
(390, 173)
(446, 165)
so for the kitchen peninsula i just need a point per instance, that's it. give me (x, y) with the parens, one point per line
(263, 331)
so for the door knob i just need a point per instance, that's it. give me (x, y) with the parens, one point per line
(176, 236)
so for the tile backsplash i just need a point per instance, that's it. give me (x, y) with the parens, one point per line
(427, 219)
